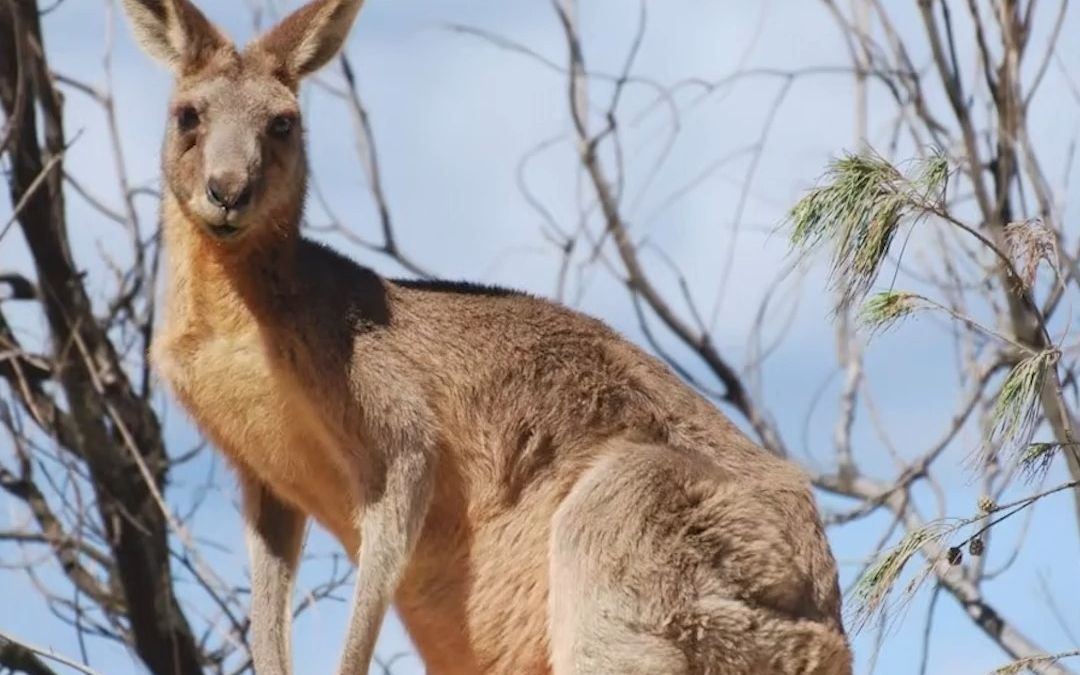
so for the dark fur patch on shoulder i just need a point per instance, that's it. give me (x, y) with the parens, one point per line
(458, 287)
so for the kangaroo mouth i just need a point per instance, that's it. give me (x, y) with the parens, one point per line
(217, 223)
(224, 231)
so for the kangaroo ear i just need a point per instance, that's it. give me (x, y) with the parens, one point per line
(308, 38)
(174, 32)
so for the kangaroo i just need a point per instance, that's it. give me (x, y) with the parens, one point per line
(533, 493)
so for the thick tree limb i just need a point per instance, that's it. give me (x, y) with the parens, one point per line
(135, 527)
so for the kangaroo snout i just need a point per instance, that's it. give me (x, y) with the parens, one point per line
(229, 191)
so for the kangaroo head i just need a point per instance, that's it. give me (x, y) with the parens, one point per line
(233, 156)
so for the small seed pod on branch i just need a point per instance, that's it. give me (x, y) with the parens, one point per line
(976, 546)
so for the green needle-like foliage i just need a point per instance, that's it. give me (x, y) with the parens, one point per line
(882, 310)
(1016, 410)
(859, 208)
(1037, 457)
(877, 581)
(1031, 663)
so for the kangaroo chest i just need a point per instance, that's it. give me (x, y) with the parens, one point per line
(264, 426)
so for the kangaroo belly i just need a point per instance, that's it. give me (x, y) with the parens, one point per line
(475, 597)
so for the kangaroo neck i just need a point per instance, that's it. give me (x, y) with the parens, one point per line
(229, 284)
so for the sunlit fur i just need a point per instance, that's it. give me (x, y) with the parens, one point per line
(535, 494)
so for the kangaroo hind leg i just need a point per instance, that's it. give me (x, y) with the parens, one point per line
(659, 564)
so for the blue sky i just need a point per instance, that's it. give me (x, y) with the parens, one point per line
(453, 117)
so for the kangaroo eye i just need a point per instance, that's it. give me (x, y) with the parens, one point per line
(281, 126)
(187, 118)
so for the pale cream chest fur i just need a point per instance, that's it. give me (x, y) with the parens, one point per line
(227, 385)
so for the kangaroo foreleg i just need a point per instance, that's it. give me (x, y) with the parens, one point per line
(274, 533)
(389, 526)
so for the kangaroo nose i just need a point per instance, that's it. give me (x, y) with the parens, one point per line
(228, 192)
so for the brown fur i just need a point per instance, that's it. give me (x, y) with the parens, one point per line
(535, 494)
